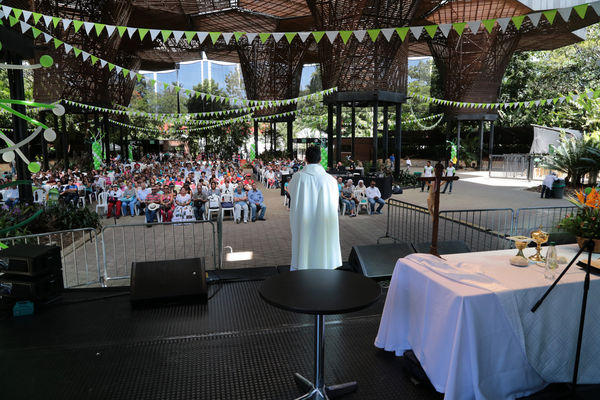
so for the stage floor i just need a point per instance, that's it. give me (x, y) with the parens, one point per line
(235, 347)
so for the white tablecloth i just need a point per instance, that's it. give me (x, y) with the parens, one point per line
(468, 320)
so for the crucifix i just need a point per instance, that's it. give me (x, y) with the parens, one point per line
(438, 179)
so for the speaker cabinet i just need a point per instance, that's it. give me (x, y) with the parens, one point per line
(31, 259)
(378, 261)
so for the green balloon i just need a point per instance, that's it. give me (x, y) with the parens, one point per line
(588, 190)
(46, 61)
(34, 167)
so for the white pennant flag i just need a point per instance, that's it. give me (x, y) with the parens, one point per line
(154, 33)
(303, 36)
(360, 34)
(66, 23)
(110, 29)
(590, 94)
(103, 63)
(7, 10)
(387, 33)
(331, 35)
(177, 35)
(277, 36)
(535, 18)
(47, 20)
(474, 26)
(201, 36)
(445, 29)
(88, 27)
(537, 102)
(503, 22)
(227, 36)
(416, 31)
(575, 97)
(26, 15)
(68, 48)
(251, 37)
(565, 13)
(24, 26)
(47, 37)
(561, 99)
(131, 32)
(596, 7)
(85, 55)
(118, 69)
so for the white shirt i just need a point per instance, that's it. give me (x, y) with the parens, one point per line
(142, 193)
(373, 192)
(450, 171)
(428, 171)
(549, 180)
(408, 163)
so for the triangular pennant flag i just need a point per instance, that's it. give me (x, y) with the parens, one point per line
(110, 29)
(57, 43)
(318, 35)
(36, 17)
(565, 13)
(402, 32)
(459, 27)
(77, 25)
(277, 36)
(581, 10)
(125, 72)
(26, 15)
(189, 35)
(76, 51)
(86, 55)
(474, 26)
(6, 10)
(445, 29)
(535, 18)
(111, 66)
(17, 12)
(214, 36)
(251, 37)
(131, 32)
(24, 26)
(99, 28)
(36, 32)
(596, 7)
(177, 35)
(264, 36)
(303, 36)
(359, 34)
(431, 30)
(118, 69)
(165, 35)
(518, 21)
(331, 35)
(561, 99)
(345, 35)
(238, 35)
(227, 36)
(503, 23)
(66, 23)
(102, 62)
(373, 33)
(47, 19)
(387, 33)
(489, 24)
(55, 21)
(143, 32)
(201, 36)
(290, 36)
(550, 15)
(88, 27)
(416, 31)
(68, 48)
(154, 33)
(121, 30)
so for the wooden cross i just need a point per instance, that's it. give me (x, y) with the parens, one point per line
(438, 178)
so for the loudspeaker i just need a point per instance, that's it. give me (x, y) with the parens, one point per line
(159, 281)
(378, 261)
(443, 247)
(38, 288)
(31, 259)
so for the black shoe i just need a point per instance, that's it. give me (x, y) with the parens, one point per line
(262, 219)
(253, 219)
(237, 221)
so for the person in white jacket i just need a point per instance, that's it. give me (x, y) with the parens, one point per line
(314, 216)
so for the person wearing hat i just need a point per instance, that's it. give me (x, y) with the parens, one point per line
(114, 195)
(547, 185)
(153, 204)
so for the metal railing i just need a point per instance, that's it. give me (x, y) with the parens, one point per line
(80, 253)
(531, 218)
(124, 244)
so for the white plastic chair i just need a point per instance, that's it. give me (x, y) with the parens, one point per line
(39, 196)
(362, 202)
(102, 202)
(81, 192)
(226, 198)
(214, 205)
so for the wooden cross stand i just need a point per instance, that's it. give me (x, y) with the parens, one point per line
(438, 178)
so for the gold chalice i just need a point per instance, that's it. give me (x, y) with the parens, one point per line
(539, 237)
(521, 243)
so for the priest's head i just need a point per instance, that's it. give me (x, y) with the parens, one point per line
(313, 154)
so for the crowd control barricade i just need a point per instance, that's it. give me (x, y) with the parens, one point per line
(530, 219)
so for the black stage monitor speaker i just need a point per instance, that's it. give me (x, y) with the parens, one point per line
(378, 261)
(38, 288)
(157, 281)
(31, 259)
(443, 247)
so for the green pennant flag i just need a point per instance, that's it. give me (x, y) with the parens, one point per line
(94, 59)
(99, 28)
(214, 36)
(518, 21)
(165, 35)
(125, 72)
(555, 100)
(142, 32)
(550, 15)
(188, 92)
(581, 10)
(543, 102)
(431, 29)
(290, 36)
(264, 36)
(489, 24)
(77, 25)
(459, 27)
(373, 33)
(189, 35)
(76, 51)
(36, 32)
(165, 85)
(12, 20)
(238, 35)
(402, 32)
(345, 35)
(111, 67)
(55, 21)
(57, 43)
(121, 30)
(520, 104)
(318, 35)
(17, 12)
(531, 103)
(38, 16)
(139, 77)
(177, 89)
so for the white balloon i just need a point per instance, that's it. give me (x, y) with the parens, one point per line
(8, 156)
(58, 109)
(50, 135)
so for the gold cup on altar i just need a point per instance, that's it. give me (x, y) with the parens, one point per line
(521, 243)
(539, 237)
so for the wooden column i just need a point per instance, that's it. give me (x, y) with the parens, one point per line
(458, 144)
(330, 135)
(374, 158)
(385, 132)
(481, 129)
(256, 137)
(290, 143)
(353, 131)
(491, 145)
(338, 132)
(398, 139)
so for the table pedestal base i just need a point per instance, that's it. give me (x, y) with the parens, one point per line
(323, 393)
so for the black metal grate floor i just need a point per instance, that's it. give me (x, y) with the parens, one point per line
(236, 347)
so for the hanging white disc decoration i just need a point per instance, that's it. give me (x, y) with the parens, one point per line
(58, 110)
(50, 135)
(9, 156)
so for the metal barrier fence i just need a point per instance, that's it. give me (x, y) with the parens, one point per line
(531, 218)
(124, 244)
(80, 253)
(514, 166)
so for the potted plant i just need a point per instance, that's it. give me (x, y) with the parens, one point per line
(585, 223)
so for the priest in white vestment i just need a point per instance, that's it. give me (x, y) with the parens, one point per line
(314, 199)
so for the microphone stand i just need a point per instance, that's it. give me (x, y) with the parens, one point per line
(588, 246)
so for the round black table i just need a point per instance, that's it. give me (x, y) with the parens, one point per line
(320, 292)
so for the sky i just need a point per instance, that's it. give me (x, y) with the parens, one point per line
(190, 74)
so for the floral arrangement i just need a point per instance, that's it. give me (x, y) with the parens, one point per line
(585, 222)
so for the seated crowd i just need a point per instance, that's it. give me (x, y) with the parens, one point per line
(352, 197)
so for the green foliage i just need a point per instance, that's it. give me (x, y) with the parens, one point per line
(585, 222)
(61, 217)
(574, 158)
(407, 179)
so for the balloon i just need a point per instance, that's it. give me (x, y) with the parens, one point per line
(58, 109)
(8, 156)
(50, 135)
(34, 167)
(46, 61)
